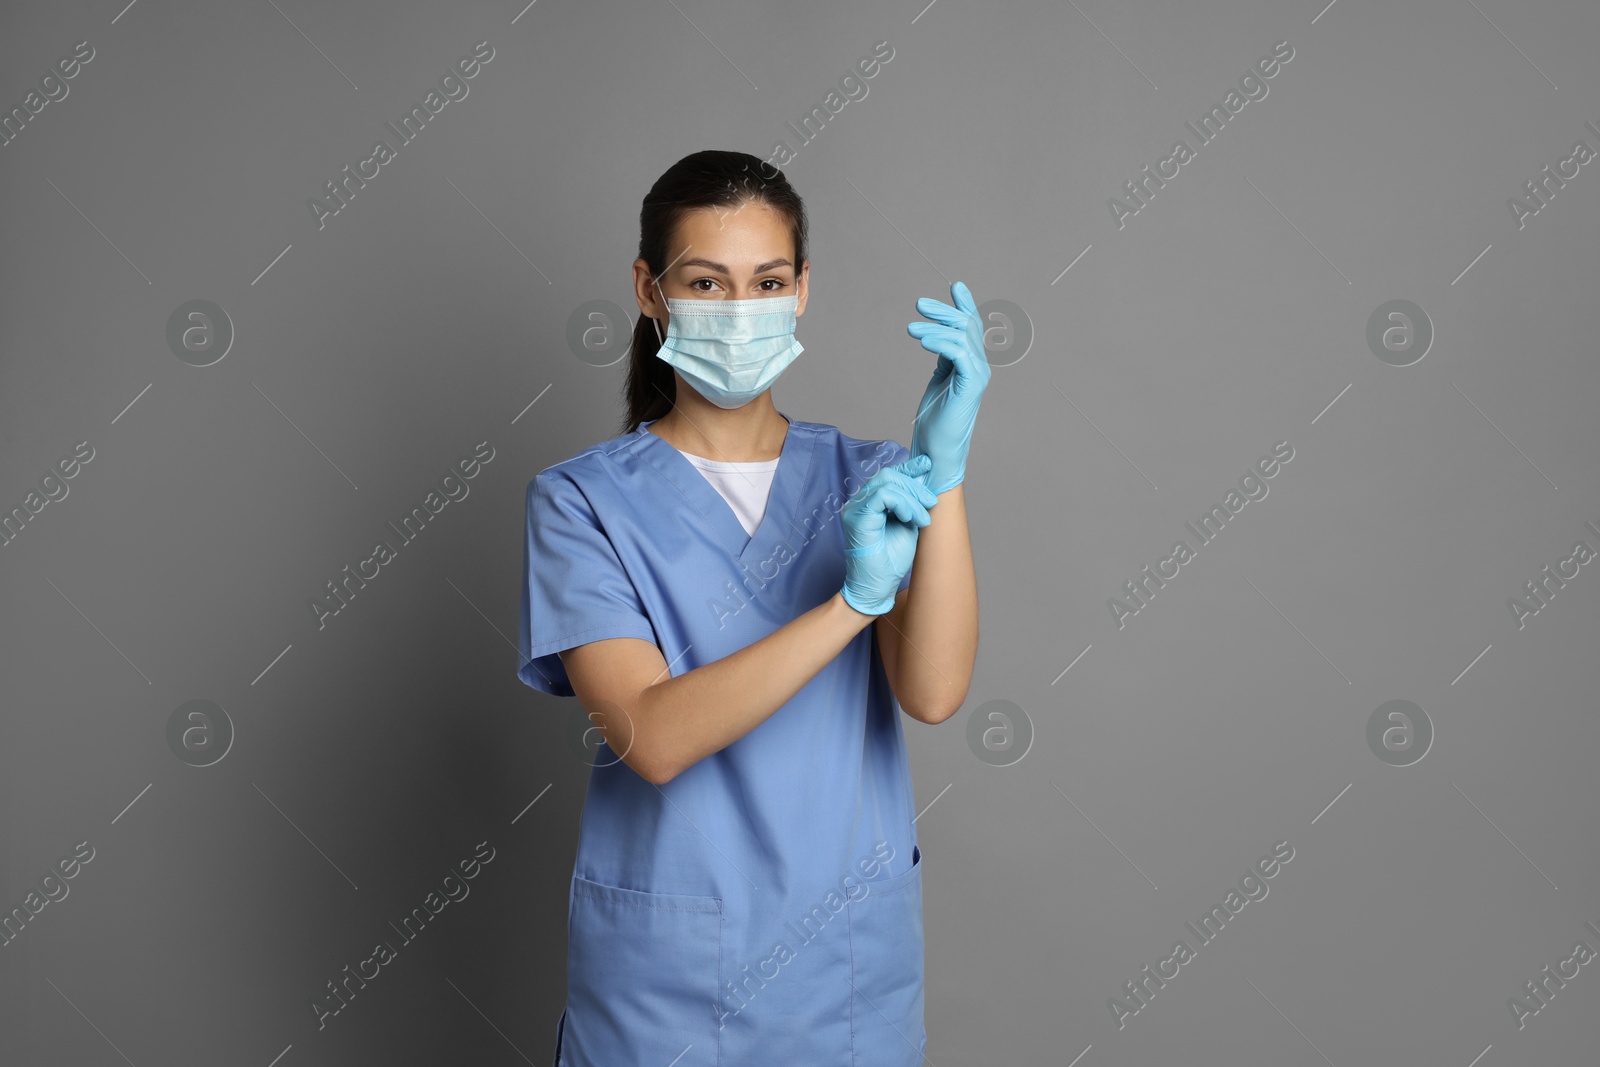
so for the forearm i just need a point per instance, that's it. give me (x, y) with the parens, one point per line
(684, 719)
(935, 639)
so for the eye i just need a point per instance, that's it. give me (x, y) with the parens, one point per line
(696, 283)
(778, 283)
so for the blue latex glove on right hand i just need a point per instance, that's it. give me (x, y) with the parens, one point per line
(949, 408)
(879, 546)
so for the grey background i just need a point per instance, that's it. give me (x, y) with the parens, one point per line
(1227, 315)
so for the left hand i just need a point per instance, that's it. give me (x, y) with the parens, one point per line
(881, 523)
(949, 408)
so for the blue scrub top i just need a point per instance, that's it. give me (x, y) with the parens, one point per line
(766, 903)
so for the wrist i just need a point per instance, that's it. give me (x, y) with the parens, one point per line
(846, 608)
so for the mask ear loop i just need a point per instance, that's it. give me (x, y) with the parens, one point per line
(661, 340)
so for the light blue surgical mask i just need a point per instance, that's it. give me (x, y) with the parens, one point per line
(731, 351)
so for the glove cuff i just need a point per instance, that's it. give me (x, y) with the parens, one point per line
(880, 608)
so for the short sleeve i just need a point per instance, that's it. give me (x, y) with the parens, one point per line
(901, 454)
(574, 587)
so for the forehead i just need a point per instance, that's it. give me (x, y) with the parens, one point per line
(739, 235)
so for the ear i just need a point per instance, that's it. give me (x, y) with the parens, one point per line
(802, 288)
(646, 292)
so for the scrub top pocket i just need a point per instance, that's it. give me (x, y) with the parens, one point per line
(642, 977)
(886, 955)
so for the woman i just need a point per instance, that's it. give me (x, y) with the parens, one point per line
(748, 885)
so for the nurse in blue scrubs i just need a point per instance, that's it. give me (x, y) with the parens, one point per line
(744, 603)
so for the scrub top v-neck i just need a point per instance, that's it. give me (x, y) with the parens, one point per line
(737, 540)
(767, 901)
(745, 486)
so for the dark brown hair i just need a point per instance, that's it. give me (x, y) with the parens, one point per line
(705, 179)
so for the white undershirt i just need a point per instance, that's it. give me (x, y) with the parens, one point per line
(745, 486)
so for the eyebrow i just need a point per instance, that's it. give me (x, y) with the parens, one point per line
(722, 268)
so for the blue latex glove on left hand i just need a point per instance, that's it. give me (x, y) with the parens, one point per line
(881, 524)
(949, 408)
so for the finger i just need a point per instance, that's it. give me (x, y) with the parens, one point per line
(939, 311)
(902, 502)
(916, 519)
(959, 348)
(946, 342)
(915, 465)
(891, 498)
(918, 486)
(942, 368)
(963, 298)
(923, 329)
(866, 526)
(910, 477)
(904, 499)
(911, 470)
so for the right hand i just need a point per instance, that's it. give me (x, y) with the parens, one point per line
(881, 523)
(949, 408)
